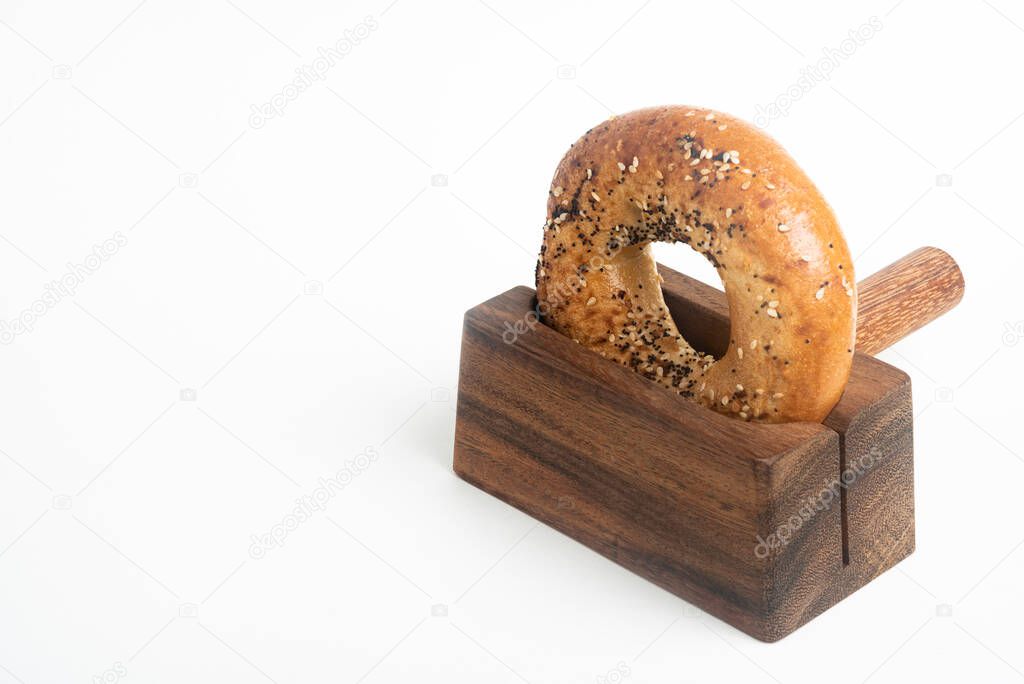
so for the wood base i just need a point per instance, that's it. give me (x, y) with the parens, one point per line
(763, 526)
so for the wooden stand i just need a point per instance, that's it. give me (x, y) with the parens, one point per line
(763, 526)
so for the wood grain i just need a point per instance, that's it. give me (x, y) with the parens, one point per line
(692, 500)
(678, 494)
(904, 296)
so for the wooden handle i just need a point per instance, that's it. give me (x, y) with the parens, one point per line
(904, 296)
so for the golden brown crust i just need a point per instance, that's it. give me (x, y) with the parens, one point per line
(682, 174)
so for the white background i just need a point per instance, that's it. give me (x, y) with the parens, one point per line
(127, 513)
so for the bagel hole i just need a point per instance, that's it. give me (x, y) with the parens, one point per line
(706, 331)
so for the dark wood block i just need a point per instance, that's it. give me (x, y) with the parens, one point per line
(735, 517)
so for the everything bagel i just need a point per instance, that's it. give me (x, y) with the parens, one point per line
(682, 174)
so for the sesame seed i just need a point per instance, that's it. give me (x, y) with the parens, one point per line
(806, 258)
(632, 169)
(725, 400)
(690, 113)
(710, 116)
(592, 301)
(689, 178)
(659, 175)
(753, 344)
(745, 185)
(820, 293)
(557, 191)
(622, 167)
(739, 352)
(636, 162)
(590, 174)
(597, 198)
(778, 395)
(772, 313)
(611, 338)
(695, 162)
(783, 228)
(774, 304)
(759, 391)
(739, 388)
(743, 415)
(728, 212)
(705, 172)
(659, 371)
(722, 127)
(747, 171)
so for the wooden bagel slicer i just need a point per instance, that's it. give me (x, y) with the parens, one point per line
(763, 526)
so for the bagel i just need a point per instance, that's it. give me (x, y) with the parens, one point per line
(684, 174)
